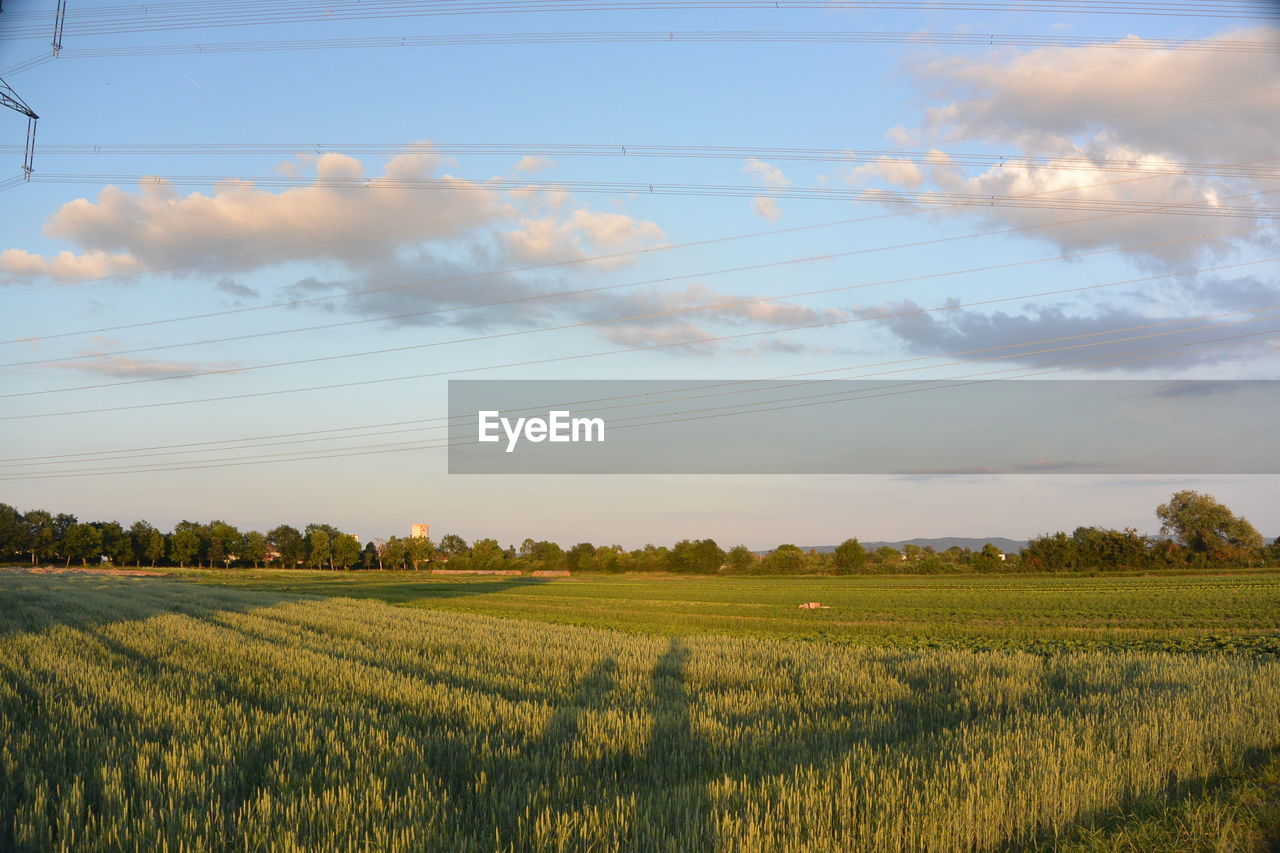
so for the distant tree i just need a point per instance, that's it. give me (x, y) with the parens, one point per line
(1206, 528)
(254, 548)
(887, 558)
(369, 556)
(39, 538)
(82, 542)
(224, 542)
(850, 557)
(785, 560)
(419, 550)
(487, 554)
(608, 558)
(184, 545)
(155, 546)
(346, 551)
(988, 559)
(139, 539)
(541, 556)
(580, 558)
(741, 560)
(116, 544)
(201, 533)
(319, 547)
(699, 556)
(13, 532)
(62, 524)
(453, 545)
(392, 554)
(289, 544)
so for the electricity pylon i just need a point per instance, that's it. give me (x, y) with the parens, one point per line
(60, 18)
(10, 99)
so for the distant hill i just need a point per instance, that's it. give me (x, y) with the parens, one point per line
(1008, 546)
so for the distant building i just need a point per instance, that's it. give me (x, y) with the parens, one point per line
(420, 531)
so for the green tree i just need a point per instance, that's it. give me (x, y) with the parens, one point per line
(62, 524)
(184, 545)
(13, 532)
(989, 559)
(116, 543)
(887, 559)
(319, 547)
(580, 558)
(741, 561)
(701, 556)
(453, 545)
(139, 539)
(1208, 529)
(288, 544)
(82, 542)
(201, 533)
(40, 537)
(849, 557)
(393, 554)
(487, 554)
(346, 550)
(785, 560)
(224, 542)
(419, 550)
(254, 548)
(155, 546)
(369, 556)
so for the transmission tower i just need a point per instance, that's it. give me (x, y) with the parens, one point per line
(59, 19)
(10, 99)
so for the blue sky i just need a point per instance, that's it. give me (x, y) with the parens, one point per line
(195, 247)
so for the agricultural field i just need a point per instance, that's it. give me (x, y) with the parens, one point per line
(1018, 612)
(155, 713)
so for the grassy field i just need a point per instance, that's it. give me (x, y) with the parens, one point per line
(160, 714)
(1024, 612)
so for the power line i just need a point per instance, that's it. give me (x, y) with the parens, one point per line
(563, 358)
(397, 447)
(652, 315)
(170, 17)
(641, 188)
(715, 152)
(648, 397)
(533, 297)
(665, 37)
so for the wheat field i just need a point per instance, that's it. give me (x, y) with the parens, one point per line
(151, 714)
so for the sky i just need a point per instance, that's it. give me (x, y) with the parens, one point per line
(240, 279)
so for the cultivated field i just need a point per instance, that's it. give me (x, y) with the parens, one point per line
(1018, 612)
(148, 713)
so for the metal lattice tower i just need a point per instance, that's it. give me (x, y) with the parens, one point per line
(58, 21)
(11, 99)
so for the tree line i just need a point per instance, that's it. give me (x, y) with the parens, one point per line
(1197, 532)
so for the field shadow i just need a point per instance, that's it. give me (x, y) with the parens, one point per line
(32, 602)
(393, 590)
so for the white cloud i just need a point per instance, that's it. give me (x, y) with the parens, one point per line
(239, 227)
(767, 175)
(767, 208)
(531, 163)
(581, 234)
(124, 367)
(20, 265)
(1082, 106)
